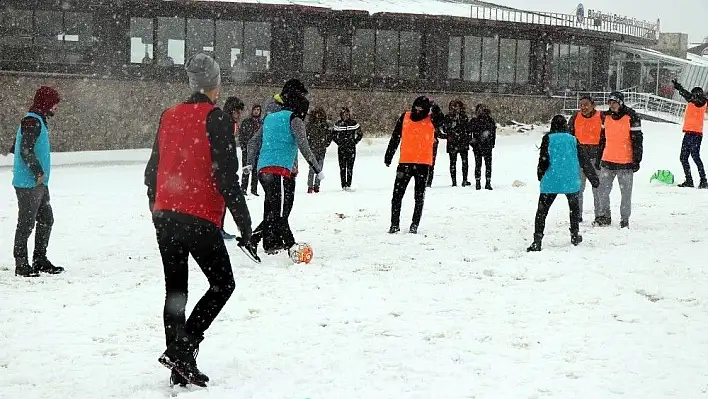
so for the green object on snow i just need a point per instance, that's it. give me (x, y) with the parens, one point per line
(663, 176)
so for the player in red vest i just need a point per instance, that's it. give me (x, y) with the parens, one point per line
(191, 175)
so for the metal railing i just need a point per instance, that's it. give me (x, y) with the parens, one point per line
(594, 20)
(665, 109)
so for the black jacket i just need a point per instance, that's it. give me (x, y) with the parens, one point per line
(248, 128)
(319, 134)
(636, 137)
(30, 129)
(438, 122)
(347, 133)
(220, 132)
(456, 131)
(698, 101)
(544, 162)
(483, 130)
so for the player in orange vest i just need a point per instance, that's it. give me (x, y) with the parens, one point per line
(621, 150)
(587, 126)
(693, 133)
(415, 132)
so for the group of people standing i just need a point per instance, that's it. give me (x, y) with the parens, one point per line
(595, 146)
(462, 133)
(601, 147)
(346, 133)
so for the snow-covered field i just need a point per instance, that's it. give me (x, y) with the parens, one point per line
(458, 311)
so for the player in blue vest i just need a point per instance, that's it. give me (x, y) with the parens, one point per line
(558, 171)
(30, 177)
(273, 152)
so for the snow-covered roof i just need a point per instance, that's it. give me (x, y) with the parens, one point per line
(698, 59)
(458, 8)
(424, 7)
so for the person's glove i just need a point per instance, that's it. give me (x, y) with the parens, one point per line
(388, 164)
(595, 183)
(247, 169)
(677, 85)
(320, 175)
(635, 167)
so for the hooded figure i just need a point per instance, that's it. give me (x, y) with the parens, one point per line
(415, 133)
(248, 129)
(559, 163)
(483, 129)
(30, 177)
(456, 132)
(319, 134)
(693, 126)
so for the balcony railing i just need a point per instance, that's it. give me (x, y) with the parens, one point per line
(594, 20)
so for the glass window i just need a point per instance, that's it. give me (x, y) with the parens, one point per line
(141, 41)
(16, 24)
(473, 58)
(585, 67)
(170, 41)
(363, 47)
(15, 34)
(78, 37)
(507, 60)
(409, 67)
(387, 53)
(574, 77)
(200, 36)
(490, 59)
(48, 35)
(523, 61)
(454, 58)
(339, 50)
(229, 43)
(313, 50)
(256, 37)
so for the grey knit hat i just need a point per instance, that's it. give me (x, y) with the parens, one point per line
(203, 72)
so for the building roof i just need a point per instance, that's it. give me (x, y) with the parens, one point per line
(691, 59)
(477, 10)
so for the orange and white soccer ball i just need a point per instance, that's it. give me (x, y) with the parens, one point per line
(301, 253)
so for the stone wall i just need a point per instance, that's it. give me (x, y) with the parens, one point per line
(101, 114)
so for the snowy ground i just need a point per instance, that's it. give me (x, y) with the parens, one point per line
(458, 311)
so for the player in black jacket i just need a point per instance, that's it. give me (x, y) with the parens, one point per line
(347, 134)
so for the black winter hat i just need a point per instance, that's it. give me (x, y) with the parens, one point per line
(617, 97)
(294, 85)
(697, 91)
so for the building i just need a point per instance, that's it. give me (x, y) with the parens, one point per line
(119, 63)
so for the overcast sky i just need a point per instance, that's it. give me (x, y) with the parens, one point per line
(688, 16)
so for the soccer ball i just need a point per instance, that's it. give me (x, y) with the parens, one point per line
(301, 253)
